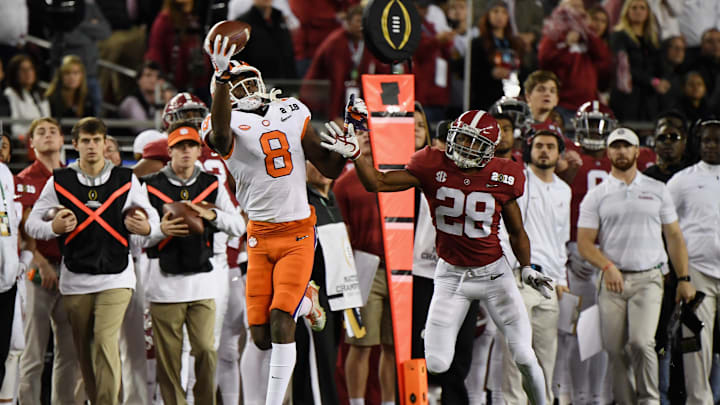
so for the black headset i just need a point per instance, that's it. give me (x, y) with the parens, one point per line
(530, 137)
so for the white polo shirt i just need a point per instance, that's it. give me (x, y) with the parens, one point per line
(629, 218)
(696, 193)
(545, 209)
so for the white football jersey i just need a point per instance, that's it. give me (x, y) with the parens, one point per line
(268, 162)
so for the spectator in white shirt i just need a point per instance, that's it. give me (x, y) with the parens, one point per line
(695, 191)
(545, 206)
(23, 94)
(629, 213)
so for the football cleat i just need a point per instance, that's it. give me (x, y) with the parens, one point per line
(317, 316)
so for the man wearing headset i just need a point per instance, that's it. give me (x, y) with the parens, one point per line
(545, 207)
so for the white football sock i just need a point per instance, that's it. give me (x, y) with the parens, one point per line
(357, 401)
(254, 371)
(282, 363)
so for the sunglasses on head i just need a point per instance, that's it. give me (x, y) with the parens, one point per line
(671, 137)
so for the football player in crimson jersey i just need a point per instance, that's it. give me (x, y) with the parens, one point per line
(593, 123)
(468, 191)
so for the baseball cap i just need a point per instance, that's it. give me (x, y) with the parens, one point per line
(623, 134)
(183, 134)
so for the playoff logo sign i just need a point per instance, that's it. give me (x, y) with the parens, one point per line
(392, 29)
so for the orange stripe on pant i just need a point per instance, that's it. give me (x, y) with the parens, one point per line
(280, 261)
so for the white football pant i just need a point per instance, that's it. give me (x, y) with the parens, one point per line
(495, 287)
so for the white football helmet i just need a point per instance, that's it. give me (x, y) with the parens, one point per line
(593, 125)
(247, 89)
(472, 139)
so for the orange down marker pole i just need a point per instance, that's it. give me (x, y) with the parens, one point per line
(391, 102)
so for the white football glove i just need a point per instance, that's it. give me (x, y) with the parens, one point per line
(538, 281)
(220, 54)
(337, 141)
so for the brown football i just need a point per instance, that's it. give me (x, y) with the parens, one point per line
(238, 33)
(135, 210)
(190, 216)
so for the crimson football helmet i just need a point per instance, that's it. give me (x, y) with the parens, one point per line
(593, 123)
(184, 106)
(247, 89)
(517, 110)
(472, 138)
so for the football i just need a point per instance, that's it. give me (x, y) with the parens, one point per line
(190, 216)
(51, 213)
(135, 210)
(238, 33)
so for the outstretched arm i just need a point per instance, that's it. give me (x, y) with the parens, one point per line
(221, 137)
(347, 145)
(374, 180)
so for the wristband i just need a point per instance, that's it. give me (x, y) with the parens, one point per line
(607, 266)
(223, 77)
(684, 278)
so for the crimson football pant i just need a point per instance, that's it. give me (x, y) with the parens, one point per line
(455, 288)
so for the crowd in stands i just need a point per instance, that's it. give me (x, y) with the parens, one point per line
(638, 57)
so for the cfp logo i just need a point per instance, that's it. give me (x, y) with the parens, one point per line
(396, 24)
(92, 201)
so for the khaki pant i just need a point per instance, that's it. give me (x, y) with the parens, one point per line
(698, 364)
(630, 319)
(543, 314)
(95, 320)
(45, 313)
(376, 315)
(168, 320)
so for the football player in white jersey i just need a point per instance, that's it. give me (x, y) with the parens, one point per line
(265, 142)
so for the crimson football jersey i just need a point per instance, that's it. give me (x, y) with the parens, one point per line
(466, 208)
(29, 183)
(593, 172)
